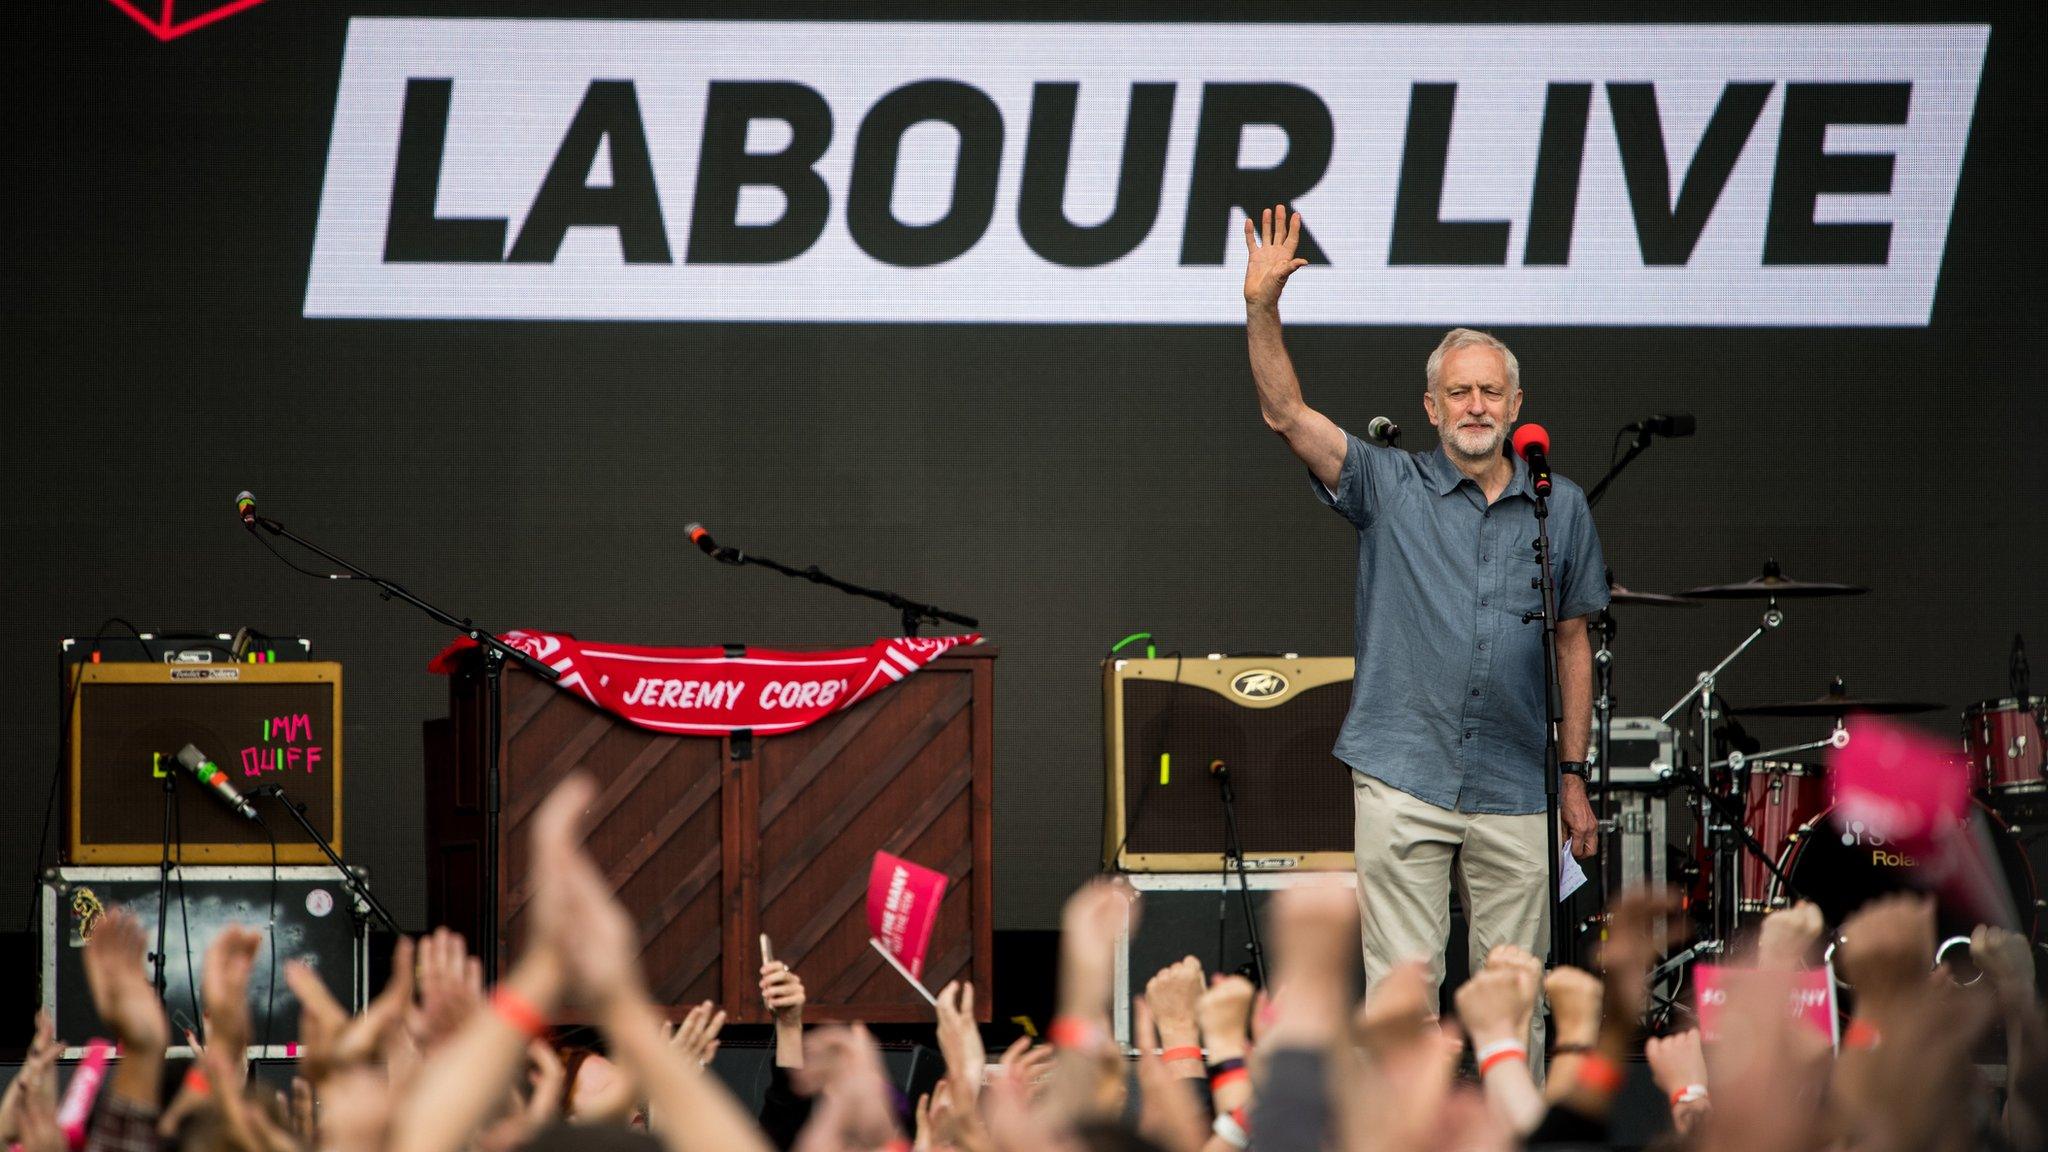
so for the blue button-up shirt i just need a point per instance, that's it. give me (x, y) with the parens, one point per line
(1447, 701)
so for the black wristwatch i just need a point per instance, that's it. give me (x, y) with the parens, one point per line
(1572, 768)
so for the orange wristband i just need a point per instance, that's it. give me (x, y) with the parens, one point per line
(1182, 1052)
(1860, 1034)
(1599, 1073)
(1505, 1054)
(196, 1082)
(1074, 1032)
(515, 1010)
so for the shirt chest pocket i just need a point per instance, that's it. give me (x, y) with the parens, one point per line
(1520, 592)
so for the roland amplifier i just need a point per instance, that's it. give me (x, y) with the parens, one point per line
(1271, 721)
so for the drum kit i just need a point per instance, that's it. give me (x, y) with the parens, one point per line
(1760, 836)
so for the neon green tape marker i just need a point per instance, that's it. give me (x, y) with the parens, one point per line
(1165, 767)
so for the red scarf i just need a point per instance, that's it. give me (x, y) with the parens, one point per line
(705, 692)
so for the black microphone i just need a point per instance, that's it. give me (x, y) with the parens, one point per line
(1670, 427)
(1383, 431)
(1534, 444)
(210, 775)
(245, 507)
(2018, 674)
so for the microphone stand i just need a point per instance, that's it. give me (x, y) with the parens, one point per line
(163, 883)
(1233, 860)
(1545, 581)
(349, 876)
(915, 613)
(495, 653)
(1641, 445)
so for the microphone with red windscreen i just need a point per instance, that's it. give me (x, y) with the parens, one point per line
(1533, 443)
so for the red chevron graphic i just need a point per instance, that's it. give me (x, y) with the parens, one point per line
(166, 27)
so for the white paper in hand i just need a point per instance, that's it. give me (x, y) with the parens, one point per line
(1569, 874)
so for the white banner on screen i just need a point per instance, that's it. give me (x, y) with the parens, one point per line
(1093, 173)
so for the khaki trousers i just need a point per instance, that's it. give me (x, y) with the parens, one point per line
(1405, 849)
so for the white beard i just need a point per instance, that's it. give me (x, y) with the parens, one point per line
(1476, 443)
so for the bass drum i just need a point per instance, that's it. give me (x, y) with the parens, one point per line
(1841, 878)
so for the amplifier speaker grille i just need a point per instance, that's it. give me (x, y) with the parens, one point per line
(1293, 798)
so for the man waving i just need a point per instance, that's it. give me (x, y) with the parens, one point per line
(1445, 734)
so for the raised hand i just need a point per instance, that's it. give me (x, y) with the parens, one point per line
(1677, 1062)
(782, 990)
(1271, 244)
(960, 1040)
(1397, 1010)
(39, 1131)
(121, 990)
(42, 1054)
(546, 1079)
(1090, 923)
(451, 987)
(1642, 924)
(1315, 935)
(843, 1068)
(1166, 1111)
(127, 1004)
(1887, 950)
(576, 916)
(1785, 943)
(224, 986)
(1173, 993)
(1224, 1014)
(696, 1037)
(332, 1040)
(1028, 1063)
(1575, 995)
(1495, 1004)
(2007, 959)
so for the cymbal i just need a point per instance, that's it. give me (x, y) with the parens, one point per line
(1836, 702)
(1616, 594)
(1774, 585)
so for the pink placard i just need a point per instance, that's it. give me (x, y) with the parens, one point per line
(1905, 797)
(903, 908)
(1811, 997)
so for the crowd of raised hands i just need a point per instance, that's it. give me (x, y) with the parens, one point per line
(439, 1063)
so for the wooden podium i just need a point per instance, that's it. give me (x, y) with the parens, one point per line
(712, 841)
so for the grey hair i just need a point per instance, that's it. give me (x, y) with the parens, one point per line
(1458, 338)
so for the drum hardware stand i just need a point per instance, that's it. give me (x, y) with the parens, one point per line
(1233, 861)
(1667, 1007)
(1720, 883)
(495, 653)
(1603, 711)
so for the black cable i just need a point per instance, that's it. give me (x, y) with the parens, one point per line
(270, 993)
(1614, 453)
(295, 565)
(184, 916)
(35, 903)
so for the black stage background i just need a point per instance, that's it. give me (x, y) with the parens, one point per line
(1067, 484)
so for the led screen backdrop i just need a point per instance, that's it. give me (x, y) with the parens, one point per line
(493, 298)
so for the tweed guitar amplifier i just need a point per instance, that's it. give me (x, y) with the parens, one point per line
(260, 723)
(1270, 720)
